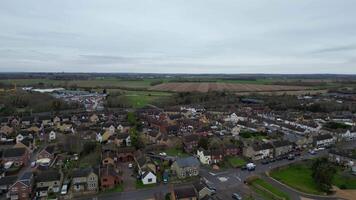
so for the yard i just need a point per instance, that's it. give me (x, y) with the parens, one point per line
(236, 161)
(140, 185)
(176, 152)
(267, 190)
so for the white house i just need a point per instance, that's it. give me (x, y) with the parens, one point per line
(204, 157)
(325, 140)
(120, 128)
(148, 178)
(52, 136)
(112, 129)
(235, 131)
(99, 137)
(348, 135)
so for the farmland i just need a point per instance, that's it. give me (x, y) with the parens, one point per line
(234, 87)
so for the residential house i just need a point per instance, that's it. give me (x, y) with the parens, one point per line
(282, 147)
(125, 154)
(232, 150)
(84, 181)
(258, 151)
(202, 190)
(184, 193)
(94, 118)
(48, 181)
(325, 140)
(47, 152)
(19, 156)
(148, 177)
(109, 177)
(190, 142)
(22, 189)
(123, 140)
(186, 167)
(109, 158)
(6, 182)
(345, 157)
(52, 136)
(349, 135)
(27, 143)
(208, 157)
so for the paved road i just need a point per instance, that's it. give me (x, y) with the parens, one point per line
(225, 182)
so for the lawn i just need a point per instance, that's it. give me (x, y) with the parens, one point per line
(298, 176)
(118, 188)
(139, 99)
(272, 191)
(175, 152)
(344, 180)
(140, 185)
(236, 161)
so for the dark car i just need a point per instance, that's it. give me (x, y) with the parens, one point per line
(272, 160)
(264, 162)
(290, 157)
(280, 158)
(297, 153)
(236, 196)
(243, 168)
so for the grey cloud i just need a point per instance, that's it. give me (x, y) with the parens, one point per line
(200, 36)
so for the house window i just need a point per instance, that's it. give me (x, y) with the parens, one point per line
(149, 180)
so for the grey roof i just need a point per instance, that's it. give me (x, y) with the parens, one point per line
(185, 192)
(187, 162)
(14, 152)
(8, 180)
(26, 178)
(82, 172)
(50, 175)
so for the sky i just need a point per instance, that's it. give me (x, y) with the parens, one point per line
(178, 36)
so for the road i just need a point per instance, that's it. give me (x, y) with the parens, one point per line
(225, 182)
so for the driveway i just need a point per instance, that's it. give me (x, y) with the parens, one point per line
(129, 181)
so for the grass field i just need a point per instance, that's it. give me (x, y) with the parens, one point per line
(236, 161)
(139, 99)
(298, 176)
(272, 191)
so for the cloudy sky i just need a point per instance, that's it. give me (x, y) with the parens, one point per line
(178, 36)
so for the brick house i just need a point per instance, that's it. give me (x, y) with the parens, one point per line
(232, 150)
(23, 188)
(190, 142)
(125, 154)
(20, 156)
(109, 178)
(47, 152)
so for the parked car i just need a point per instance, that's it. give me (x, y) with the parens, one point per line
(236, 196)
(130, 165)
(312, 152)
(264, 162)
(243, 168)
(290, 157)
(250, 166)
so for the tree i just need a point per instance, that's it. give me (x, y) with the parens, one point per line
(136, 141)
(203, 143)
(215, 143)
(323, 174)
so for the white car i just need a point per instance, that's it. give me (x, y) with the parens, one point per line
(64, 189)
(163, 154)
(130, 165)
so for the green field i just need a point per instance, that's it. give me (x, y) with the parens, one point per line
(175, 152)
(236, 161)
(268, 191)
(299, 176)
